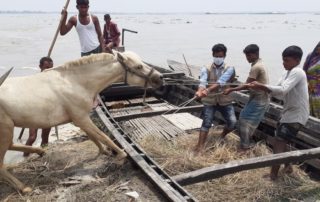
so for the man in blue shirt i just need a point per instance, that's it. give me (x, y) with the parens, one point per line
(212, 84)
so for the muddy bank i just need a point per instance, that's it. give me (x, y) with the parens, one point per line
(72, 171)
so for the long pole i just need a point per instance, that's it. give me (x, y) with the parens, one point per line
(49, 54)
(58, 29)
(52, 44)
(190, 74)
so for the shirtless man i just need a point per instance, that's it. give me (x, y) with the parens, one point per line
(45, 63)
(88, 29)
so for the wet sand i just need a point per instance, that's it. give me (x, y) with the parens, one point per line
(66, 132)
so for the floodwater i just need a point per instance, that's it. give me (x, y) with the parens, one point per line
(25, 38)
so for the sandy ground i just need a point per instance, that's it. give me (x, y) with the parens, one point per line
(72, 170)
(65, 132)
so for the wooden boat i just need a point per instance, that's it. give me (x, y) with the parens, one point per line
(130, 117)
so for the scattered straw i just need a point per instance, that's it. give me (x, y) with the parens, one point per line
(177, 157)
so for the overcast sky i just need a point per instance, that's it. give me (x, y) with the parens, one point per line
(132, 6)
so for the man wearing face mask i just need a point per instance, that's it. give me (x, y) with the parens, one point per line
(212, 84)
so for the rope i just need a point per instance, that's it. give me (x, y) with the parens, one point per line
(170, 81)
(181, 105)
(186, 103)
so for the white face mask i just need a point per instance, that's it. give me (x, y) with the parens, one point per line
(218, 61)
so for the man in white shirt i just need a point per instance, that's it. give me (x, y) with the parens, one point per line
(293, 90)
(88, 29)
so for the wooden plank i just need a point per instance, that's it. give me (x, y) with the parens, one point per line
(161, 106)
(140, 100)
(118, 102)
(171, 193)
(173, 74)
(185, 121)
(216, 171)
(195, 108)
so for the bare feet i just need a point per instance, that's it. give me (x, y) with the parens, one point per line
(274, 172)
(243, 151)
(25, 154)
(288, 169)
(270, 176)
(273, 176)
(198, 150)
(225, 132)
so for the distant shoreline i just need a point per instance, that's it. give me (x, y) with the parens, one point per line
(170, 13)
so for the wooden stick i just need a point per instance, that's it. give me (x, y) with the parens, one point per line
(190, 74)
(51, 47)
(21, 133)
(58, 29)
(220, 170)
(49, 54)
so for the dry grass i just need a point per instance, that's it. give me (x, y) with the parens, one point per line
(96, 177)
(176, 157)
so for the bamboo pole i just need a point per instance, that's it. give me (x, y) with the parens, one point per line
(51, 47)
(190, 73)
(58, 29)
(49, 54)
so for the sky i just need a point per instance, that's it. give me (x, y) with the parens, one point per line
(167, 6)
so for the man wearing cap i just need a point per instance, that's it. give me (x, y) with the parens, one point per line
(87, 26)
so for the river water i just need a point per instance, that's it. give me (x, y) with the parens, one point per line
(25, 38)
